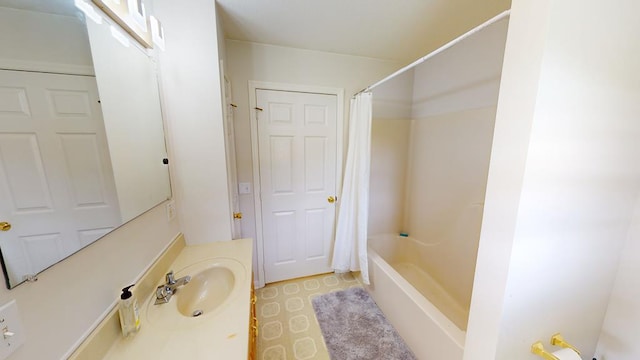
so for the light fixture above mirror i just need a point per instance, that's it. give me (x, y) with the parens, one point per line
(131, 15)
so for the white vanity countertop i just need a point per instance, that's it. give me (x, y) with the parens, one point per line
(223, 334)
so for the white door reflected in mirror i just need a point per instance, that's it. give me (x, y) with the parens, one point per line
(55, 172)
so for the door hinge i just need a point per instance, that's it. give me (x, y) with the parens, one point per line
(259, 109)
(237, 215)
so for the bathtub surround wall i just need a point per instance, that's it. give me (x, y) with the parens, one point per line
(451, 101)
(449, 165)
(464, 77)
(394, 99)
(390, 136)
(389, 151)
(563, 179)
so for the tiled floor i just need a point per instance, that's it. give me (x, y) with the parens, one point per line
(288, 328)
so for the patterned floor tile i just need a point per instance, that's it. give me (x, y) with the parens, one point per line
(289, 329)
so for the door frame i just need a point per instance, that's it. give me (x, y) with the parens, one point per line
(230, 153)
(257, 201)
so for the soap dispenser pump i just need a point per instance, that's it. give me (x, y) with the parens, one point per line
(129, 315)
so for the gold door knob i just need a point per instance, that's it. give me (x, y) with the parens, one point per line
(5, 226)
(237, 215)
(332, 199)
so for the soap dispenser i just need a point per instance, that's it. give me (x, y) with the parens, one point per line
(129, 316)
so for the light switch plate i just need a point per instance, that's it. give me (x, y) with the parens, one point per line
(244, 188)
(11, 331)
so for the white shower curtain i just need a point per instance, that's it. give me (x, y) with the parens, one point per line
(350, 250)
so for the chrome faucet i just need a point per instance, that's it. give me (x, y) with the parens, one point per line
(165, 291)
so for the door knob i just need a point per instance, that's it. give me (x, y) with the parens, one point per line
(332, 199)
(5, 226)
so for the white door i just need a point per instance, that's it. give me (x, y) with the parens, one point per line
(297, 135)
(56, 183)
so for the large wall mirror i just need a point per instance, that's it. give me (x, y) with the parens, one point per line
(82, 147)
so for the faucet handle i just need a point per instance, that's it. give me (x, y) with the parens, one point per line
(170, 279)
(163, 294)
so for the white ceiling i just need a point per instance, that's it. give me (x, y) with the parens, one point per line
(400, 30)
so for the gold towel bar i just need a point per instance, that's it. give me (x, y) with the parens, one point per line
(558, 340)
(538, 349)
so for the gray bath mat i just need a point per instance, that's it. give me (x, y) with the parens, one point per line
(354, 328)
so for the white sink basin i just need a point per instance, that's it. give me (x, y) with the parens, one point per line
(214, 283)
(207, 290)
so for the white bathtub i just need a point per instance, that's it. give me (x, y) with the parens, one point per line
(426, 317)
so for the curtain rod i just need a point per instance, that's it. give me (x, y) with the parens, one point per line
(446, 46)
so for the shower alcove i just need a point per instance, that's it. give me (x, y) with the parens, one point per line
(431, 139)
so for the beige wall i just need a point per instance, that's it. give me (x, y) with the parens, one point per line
(249, 61)
(563, 179)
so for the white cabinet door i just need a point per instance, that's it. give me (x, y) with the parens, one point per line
(297, 135)
(56, 182)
